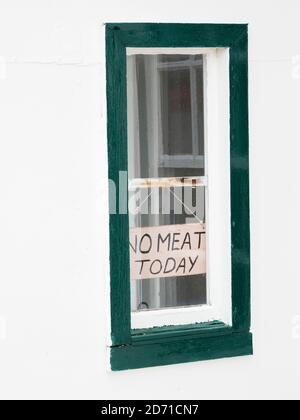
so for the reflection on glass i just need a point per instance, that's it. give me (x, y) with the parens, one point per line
(166, 152)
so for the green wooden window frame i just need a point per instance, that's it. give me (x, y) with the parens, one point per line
(132, 349)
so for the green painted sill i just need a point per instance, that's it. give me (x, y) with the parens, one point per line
(183, 344)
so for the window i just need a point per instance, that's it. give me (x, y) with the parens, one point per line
(178, 130)
(165, 92)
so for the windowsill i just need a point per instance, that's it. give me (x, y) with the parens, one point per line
(157, 333)
(182, 344)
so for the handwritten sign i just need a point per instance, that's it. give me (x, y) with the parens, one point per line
(167, 251)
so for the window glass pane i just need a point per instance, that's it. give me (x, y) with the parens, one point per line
(166, 181)
(176, 111)
(170, 58)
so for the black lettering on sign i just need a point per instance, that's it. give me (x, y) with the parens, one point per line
(142, 264)
(142, 244)
(170, 265)
(167, 251)
(187, 241)
(161, 241)
(199, 238)
(193, 262)
(158, 265)
(134, 247)
(175, 241)
(182, 266)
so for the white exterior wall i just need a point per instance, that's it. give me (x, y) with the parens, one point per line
(54, 267)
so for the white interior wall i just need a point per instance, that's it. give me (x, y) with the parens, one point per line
(53, 202)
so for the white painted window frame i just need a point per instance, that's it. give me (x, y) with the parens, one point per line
(217, 171)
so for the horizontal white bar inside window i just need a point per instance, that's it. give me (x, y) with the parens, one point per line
(200, 181)
(174, 316)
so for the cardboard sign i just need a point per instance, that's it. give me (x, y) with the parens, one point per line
(167, 251)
